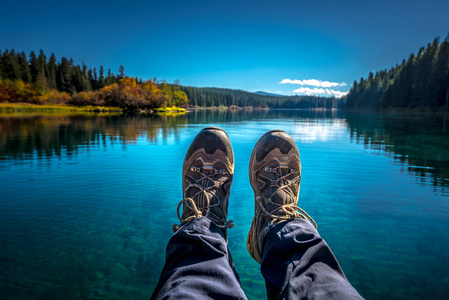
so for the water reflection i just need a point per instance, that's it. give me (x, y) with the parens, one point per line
(227, 116)
(22, 137)
(420, 142)
(49, 135)
(309, 131)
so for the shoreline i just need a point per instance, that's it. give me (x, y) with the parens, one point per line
(400, 111)
(22, 107)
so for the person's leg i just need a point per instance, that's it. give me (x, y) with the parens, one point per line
(198, 263)
(298, 264)
(295, 261)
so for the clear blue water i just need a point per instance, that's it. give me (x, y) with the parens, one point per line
(87, 203)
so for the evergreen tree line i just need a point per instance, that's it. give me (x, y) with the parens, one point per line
(45, 81)
(47, 73)
(422, 81)
(215, 97)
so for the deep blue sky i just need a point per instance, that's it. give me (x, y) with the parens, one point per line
(249, 45)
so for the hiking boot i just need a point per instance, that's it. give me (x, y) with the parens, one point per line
(207, 175)
(275, 176)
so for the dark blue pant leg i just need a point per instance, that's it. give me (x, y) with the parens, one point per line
(298, 264)
(198, 265)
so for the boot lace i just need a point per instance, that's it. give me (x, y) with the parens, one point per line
(206, 174)
(286, 211)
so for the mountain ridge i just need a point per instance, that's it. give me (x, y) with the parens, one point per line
(262, 93)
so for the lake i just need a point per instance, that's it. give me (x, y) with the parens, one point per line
(87, 202)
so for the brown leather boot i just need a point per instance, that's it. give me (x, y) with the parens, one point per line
(207, 175)
(275, 176)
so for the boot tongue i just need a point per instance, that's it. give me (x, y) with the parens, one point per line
(281, 197)
(277, 192)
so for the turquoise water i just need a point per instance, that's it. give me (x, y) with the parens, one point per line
(87, 203)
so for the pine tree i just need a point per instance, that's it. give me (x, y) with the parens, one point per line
(86, 78)
(42, 63)
(10, 65)
(24, 67)
(90, 76)
(1, 65)
(51, 71)
(64, 76)
(41, 83)
(33, 66)
(441, 73)
(101, 82)
(121, 72)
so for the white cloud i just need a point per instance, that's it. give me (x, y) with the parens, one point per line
(319, 91)
(312, 82)
(309, 91)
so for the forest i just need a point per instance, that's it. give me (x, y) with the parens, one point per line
(40, 80)
(420, 82)
(213, 97)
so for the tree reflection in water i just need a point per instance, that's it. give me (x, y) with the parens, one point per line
(418, 141)
(421, 142)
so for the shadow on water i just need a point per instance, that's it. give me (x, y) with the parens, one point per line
(421, 142)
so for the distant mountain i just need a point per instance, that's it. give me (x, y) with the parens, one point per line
(262, 93)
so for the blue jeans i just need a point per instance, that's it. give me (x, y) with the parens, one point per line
(296, 264)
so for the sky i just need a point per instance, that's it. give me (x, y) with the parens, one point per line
(284, 46)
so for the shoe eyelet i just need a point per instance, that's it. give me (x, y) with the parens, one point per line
(195, 169)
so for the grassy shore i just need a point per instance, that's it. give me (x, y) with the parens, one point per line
(34, 108)
(170, 109)
(27, 107)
